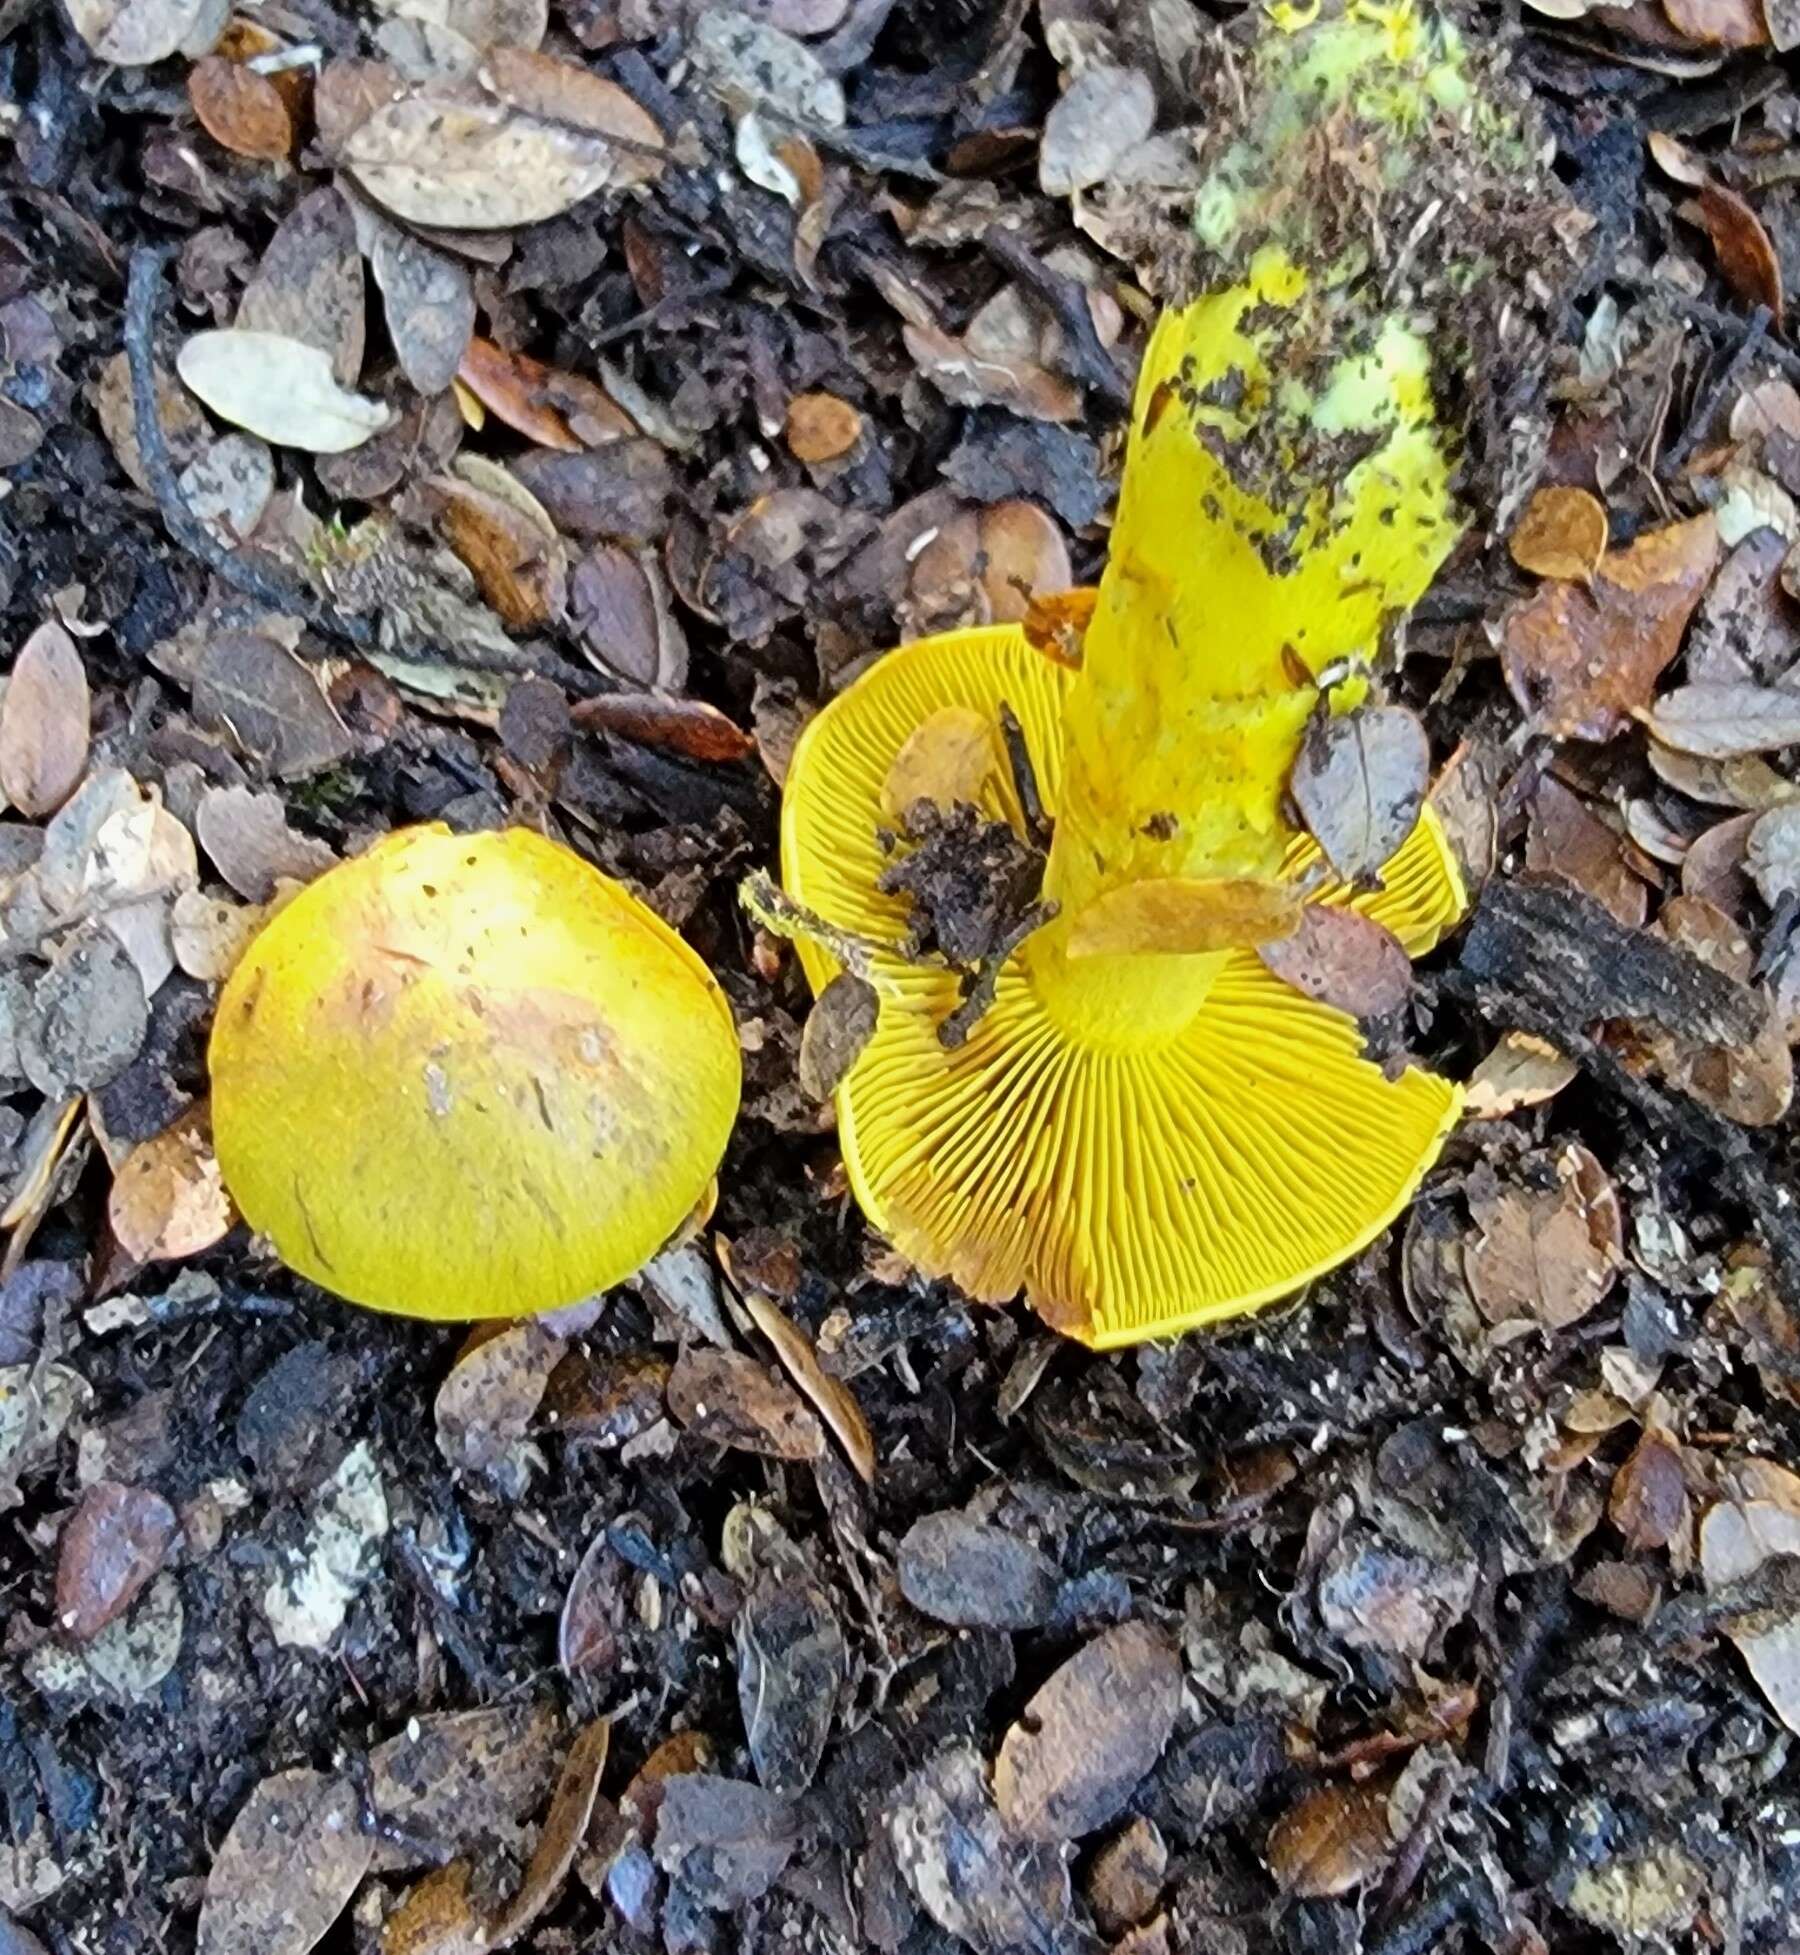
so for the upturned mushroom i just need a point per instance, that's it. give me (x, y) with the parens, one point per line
(1149, 1130)
(470, 1076)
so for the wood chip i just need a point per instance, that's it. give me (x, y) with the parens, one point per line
(821, 427)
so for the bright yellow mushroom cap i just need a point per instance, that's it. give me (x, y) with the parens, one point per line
(1142, 1141)
(470, 1076)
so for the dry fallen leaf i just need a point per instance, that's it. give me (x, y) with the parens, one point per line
(840, 1024)
(437, 1916)
(111, 1547)
(1055, 623)
(1566, 838)
(1089, 1735)
(821, 427)
(519, 570)
(1561, 534)
(1720, 722)
(271, 705)
(1769, 1642)
(1521, 1071)
(1175, 915)
(1105, 111)
(460, 166)
(279, 388)
(1718, 23)
(728, 1399)
(835, 1401)
(1359, 783)
(429, 300)
(653, 719)
(454, 1780)
(251, 845)
(975, 1576)
(564, 1828)
(487, 1403)
(208, 934)
(292, 1858)
(1582, 660)
(1024, 557)
(1342, 959)
(137, 33)
(946, 760)
(1747, 257)
(168, 1199)
(1336, 1838)
(309, 283)
(241, 110)
(1550, 1244)
(44, 723)
(1648, 1502)
(566, 95)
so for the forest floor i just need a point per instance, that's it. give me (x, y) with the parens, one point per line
(1453, 1606)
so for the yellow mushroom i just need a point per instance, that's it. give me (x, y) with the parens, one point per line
(470, 1076)
(1151, 1131)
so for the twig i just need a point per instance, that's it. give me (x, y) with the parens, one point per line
(979, 1001)
(1067, 299)
(654, 315)
(1715, 318)
(781, 916)
(242, 573)
(1025, 780)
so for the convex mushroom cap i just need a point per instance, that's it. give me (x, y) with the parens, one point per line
(470, 1076)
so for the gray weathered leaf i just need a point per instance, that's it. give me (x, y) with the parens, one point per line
(1105, 112)
(1719, 722)
(1360, 782)
(44, 723)
(256, 690)
(309, 285)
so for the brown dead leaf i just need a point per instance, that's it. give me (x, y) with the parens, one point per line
(1087, 1738)
(1024, 555)
(168, 1198)
(1335, 1839)
(1056, 624)
(1521, 1071)
(731, 1400)
(1561, 534)
(684, 726)
(1648, 1503)
(487, 1403)
(974, 1575)
(1583, 660)
(111, 1547)
(1341, 959)
(241, 110)
(292, 1858)
(620, 611)
(455, 1780)
(1182, 915)
(457, 165)
(1359, 783)
(429, 301)
(839, 1026)
(567, 1822)
(835, 1402)
(44, 723)
(562, 93)
(971, 380)
(946, 760)
(519, 570)
(1720, 722)
(438, 1916)
(138, 33)
(1550, 1244)
(1718, 23)
(513, 386)
(821, 427)
(1564, 837)
(1747, 257)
